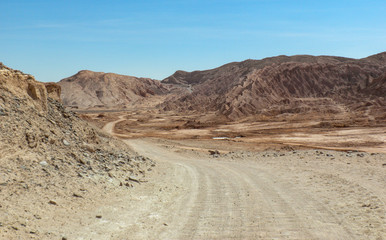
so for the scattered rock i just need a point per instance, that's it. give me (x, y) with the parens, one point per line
(77, 195)
(31, 139)
(66, 143)
(2, 112)
(214, 152)
(43, 163)
(134, 179)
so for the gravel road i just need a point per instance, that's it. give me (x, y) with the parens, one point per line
(192, 196)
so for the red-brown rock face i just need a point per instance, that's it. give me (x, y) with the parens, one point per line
(283, 84)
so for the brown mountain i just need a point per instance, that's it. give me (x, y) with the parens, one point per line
(90, 89)
(284, 84)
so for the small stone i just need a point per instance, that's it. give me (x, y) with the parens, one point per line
(98, 216)
(52, 202)
(77, 195)
(213, 152)
(43, 163)
(134, 179)
(66, 143)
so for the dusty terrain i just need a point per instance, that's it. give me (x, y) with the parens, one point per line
(338, 132)
(54, 167)
(207, 189)
(309, 162)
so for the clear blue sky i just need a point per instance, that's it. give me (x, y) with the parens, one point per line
(54, 39)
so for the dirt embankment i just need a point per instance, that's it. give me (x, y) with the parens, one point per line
(54, 166)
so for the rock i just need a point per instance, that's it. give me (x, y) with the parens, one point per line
(98, 216)
(214, 152)
(66, 143)
(52, 202)
(2, 112)
(31, 139)
(43, 163)
(134, 179)
(77, 195)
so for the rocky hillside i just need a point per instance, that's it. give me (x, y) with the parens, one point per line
(52, 162)
(283, 84)
(96, 89)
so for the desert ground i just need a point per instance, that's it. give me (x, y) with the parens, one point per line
(217, 154)
(244, 180)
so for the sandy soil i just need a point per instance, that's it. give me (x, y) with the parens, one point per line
(298, 131)
(243, 194)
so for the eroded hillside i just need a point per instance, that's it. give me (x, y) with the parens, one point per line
(52, 162)
(96, 89)
(279, 85)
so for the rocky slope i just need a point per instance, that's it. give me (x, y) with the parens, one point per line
(96, 89)
(51, 161)
(285, 85)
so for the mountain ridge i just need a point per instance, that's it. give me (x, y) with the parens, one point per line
(270, 86)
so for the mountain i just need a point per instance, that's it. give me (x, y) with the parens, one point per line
(92, 89)
(283, 84)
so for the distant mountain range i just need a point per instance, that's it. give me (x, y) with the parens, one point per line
(271, 86)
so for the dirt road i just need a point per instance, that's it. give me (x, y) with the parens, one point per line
(300, 195)
(217, 199)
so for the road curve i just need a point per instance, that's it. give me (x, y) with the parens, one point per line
(198, 197)
(228, 200)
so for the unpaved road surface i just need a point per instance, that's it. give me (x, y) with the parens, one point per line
(245, 195)
(198, 197)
